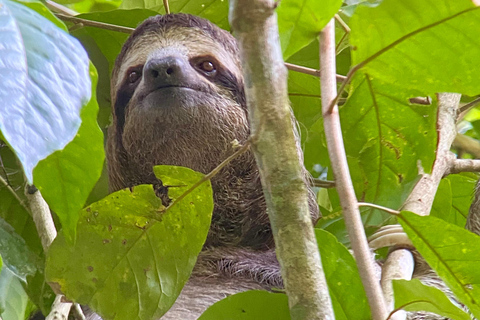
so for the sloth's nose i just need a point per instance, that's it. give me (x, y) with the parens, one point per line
(167, 71)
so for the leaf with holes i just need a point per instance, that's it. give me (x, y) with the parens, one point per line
(132, 257)
(43, 110)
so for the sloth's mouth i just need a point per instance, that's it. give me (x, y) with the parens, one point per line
(178, 88)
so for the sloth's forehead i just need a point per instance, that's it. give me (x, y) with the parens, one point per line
(189, 42)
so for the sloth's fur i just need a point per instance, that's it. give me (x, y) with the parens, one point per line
(195, 127)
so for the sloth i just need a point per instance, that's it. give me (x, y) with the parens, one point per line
(178, 99)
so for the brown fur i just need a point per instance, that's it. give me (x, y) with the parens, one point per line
(196, 130)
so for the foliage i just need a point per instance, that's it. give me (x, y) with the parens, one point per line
(53, 110)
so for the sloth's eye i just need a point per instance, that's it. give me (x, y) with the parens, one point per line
(207, 66)
(133, 76)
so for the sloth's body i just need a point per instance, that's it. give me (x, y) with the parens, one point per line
(178, 99)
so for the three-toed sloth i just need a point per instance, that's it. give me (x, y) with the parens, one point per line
(178, 99)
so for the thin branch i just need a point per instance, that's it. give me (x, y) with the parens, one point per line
(310, 71)
(466, 107)
(406, 305)
(47, 232)
(167, 7)
(425, 101)
(275, 148)
(338, 159)
(212, 173)
(323, 183)
(463, 165)
(15, 195)
(96, 24)
(376, 206)
(56, 7)
(399, 265)
(467, 144)
(345, 26)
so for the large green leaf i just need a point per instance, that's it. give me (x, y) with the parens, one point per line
(451, 251)
(428, 45)
(300, 22)
(385, 138)
(132, 256)
(66, 177)
(453, 198)
(214, 10)
(13, 299)
(415, 296)
(250, 305)
(44, 116)
(346, 290)
(15, 254)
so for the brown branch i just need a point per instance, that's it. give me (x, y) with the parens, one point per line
(376, 206)
(56, 7)
(96, 24)
(343, 181)
(255, 25)
(310, 71)
(467, 107)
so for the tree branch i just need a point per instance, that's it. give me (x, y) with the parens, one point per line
(421, 198)
(341, 172)
(467, 144)
(462, 165)
(47, 232)
(310, 71)
(274, 145)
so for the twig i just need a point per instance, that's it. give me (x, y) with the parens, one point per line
(463, 165)
(9, 187)
(338, 159)
(56, 7)
(425, 101)
(345, 28)
(399, 265)
(323, 183)
(96, 24)
(166, 6)
(376, 206)
(310, 71)
(467, 144)
(466, 107)
(212, 173)
(275, 149)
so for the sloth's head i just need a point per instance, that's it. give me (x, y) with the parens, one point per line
(177, 97)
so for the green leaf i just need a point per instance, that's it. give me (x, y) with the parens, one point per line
(13, 299)
(15, 254)
(415, 296)
(346, 290)
(300, 22)
(453, 198)
(250, 305)
(41, 9)
(44, 115)
(132, 257)
(214, 10)
(66, 177)
(435, 52)
(386, 138)
(451, 251)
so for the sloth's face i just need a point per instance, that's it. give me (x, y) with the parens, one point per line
(178, 98)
